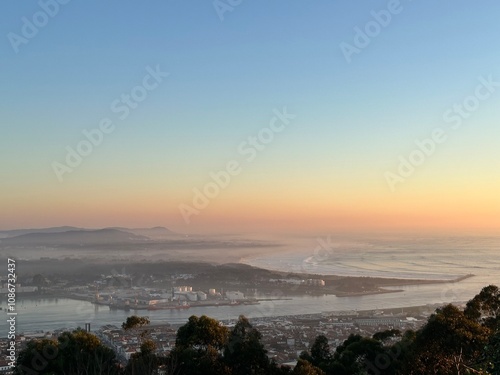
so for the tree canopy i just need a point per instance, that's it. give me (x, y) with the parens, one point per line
(244, 352)
(76, 353)
(135, 321)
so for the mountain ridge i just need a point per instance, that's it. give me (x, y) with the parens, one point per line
(72, 237)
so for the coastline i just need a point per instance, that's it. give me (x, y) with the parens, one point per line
(354, 265)
(377, 284)
(343, 286)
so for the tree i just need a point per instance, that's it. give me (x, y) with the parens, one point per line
(398, 354)
(320, 351)
(385, 335)
(244, 352)
(33, 358)
(146, 362)
(198, 347)
(135, 321)
(320, 355)
(276, 369)
(77, 352)
(84, 354)
(449, 343)
(356, 355)
(485, 307)
(202, 333)
(489, 361)
(303, 367)
(148, 347)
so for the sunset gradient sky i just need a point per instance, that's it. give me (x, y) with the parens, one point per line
(325, 172)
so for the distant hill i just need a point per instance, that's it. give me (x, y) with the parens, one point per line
(153, 233)
(20, 232)
(75, 237)
(156, 232)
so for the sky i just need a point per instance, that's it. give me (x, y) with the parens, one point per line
(366, 116)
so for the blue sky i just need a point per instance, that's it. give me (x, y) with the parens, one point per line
(227, 77)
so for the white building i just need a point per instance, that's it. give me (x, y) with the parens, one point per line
(235, 296)
(202, 296)
(192, 296)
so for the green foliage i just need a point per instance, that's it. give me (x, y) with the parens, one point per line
(320, 351)
(303, 367)
(485, 307)
(244, 353)
(198, 347)
(357, 354)
(148, 347)
(38, 357)
(453, 341)
(490, 358)
(385, 335)
(449, 343)
(77, 352)
(146, 361)
(276, 369)
(201, 333)
(135, 321)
